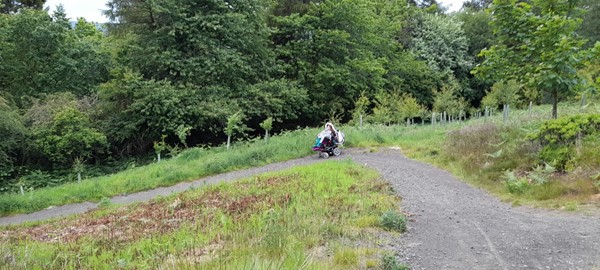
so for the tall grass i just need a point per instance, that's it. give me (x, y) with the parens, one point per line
(303, 218)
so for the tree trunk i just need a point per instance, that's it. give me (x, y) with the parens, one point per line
(228, 141)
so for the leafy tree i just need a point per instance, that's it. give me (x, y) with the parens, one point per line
(538, 48)
(281, 99)
(476, 26)
(503, 93)
(267, 125)
(446, 100)
(12, 132)
(385, 108)
(234, 125)
(338, 49)
(441, 42)
(136, 112)
(361, 107)
(70, 136)
(476, 5)
(41, 54)
(409, 108)
(206, 43)
(12, 6)
(589, 26)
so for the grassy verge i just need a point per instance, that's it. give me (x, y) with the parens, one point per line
(191, 164)
(301, 218)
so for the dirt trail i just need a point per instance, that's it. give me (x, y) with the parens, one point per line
(455, 225)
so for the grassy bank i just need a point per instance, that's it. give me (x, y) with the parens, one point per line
(297, 219)
(502, 158)
(190, 164)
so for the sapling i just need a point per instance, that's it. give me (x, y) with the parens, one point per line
(267, 125)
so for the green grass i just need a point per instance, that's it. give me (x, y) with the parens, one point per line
(189, 165)
(301, 218)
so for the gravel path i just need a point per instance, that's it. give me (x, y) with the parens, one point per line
(455, 226)
(459, 227)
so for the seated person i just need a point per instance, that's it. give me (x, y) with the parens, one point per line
(327, 136)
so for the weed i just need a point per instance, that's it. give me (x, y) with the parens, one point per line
(104, 202)
(389, 262)
(393, 221)
(515, 184)
(571, 206)
(346, 257)
(370, 264)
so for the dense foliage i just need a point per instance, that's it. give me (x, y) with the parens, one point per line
(166, 75)
(560, 136)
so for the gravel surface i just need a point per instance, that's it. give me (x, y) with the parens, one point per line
(454, 226)
(457, 226)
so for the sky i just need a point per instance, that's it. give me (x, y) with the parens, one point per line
(91, 10)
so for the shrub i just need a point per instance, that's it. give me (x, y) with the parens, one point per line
(558, 137)
(557, 156)
(393, 221)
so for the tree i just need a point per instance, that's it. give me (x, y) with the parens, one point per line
(446, 100)
(70, 136)
(41, 54)
(267, 125)
(137, 112)
(12, 6)
(201, 43)
(234, 125)
(385, 108)
(409, 108)
(476, 5)
(537, 48)
(505, 93)
(12, 132)
(441, 42)
(339, 49)
(589, 26)
(361, 107)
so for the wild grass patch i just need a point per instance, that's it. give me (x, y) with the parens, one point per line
(298, 219)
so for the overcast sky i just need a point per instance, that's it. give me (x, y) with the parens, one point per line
(91, 10)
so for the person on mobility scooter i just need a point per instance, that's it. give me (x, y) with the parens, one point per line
(328, 141)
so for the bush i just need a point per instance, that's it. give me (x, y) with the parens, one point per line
(393, 221)
(557, 156)
(558, 137)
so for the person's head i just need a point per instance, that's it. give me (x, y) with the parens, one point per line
(329, 126)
